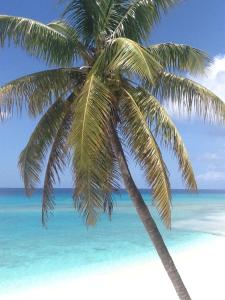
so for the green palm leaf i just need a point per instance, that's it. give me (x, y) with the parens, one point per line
(147, 153)
(83, 16)
(189, 96)
(37, 39)
(165, 129)
(31, 160)
(39, 90)
(137, 17)
(111, 181)
(56, 162)
(179, 57)
(79, 49)
(92, 154)
(131, 57)
(109, 17)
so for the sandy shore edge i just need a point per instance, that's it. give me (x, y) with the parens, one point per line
(201, 267)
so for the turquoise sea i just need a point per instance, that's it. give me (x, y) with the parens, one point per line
(31, 254)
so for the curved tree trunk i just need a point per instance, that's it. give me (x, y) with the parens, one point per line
(148, 221)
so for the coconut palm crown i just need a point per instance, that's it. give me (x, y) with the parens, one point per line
(108, 80)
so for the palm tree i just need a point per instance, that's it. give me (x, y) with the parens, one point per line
(114, 99)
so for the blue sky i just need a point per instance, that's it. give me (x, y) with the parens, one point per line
(198, 23)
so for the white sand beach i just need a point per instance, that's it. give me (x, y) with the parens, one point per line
(202, 269)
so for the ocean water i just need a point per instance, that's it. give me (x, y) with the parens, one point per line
(31, 254)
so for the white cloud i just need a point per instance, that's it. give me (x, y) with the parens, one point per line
(212, 176)
(211, 156)
(214, 165)
(215, 162)
(214, 79)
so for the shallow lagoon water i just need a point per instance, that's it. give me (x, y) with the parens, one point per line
(31, 254)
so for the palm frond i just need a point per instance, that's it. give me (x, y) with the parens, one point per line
(32, 157)
(93, 20)
(177, 57)
(57, 160)
(137, 17)
(188, 96)
(83, 16)
(70, 33)
(165, 129)
(37, 39)
(109, 17)
(39, 90)
(90, 143)
(111, 182)
(130, 56)
(147, 153)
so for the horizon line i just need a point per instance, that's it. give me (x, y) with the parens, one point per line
(122, 189)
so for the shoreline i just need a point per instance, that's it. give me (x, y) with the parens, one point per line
(201, 266)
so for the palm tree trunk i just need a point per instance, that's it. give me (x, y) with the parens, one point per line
(148, 221)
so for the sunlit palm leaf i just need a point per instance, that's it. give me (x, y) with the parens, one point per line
(147, 153)
(189, 96)
(37, 39)
(131, 57)
(57, 160)
(179, 57)
(165, 129)
(137, 17)
(37, 91)
(32, 157)
(91, 147)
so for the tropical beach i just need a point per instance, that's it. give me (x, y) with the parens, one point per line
(114, 259)
(198, 267)
(112, 122)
